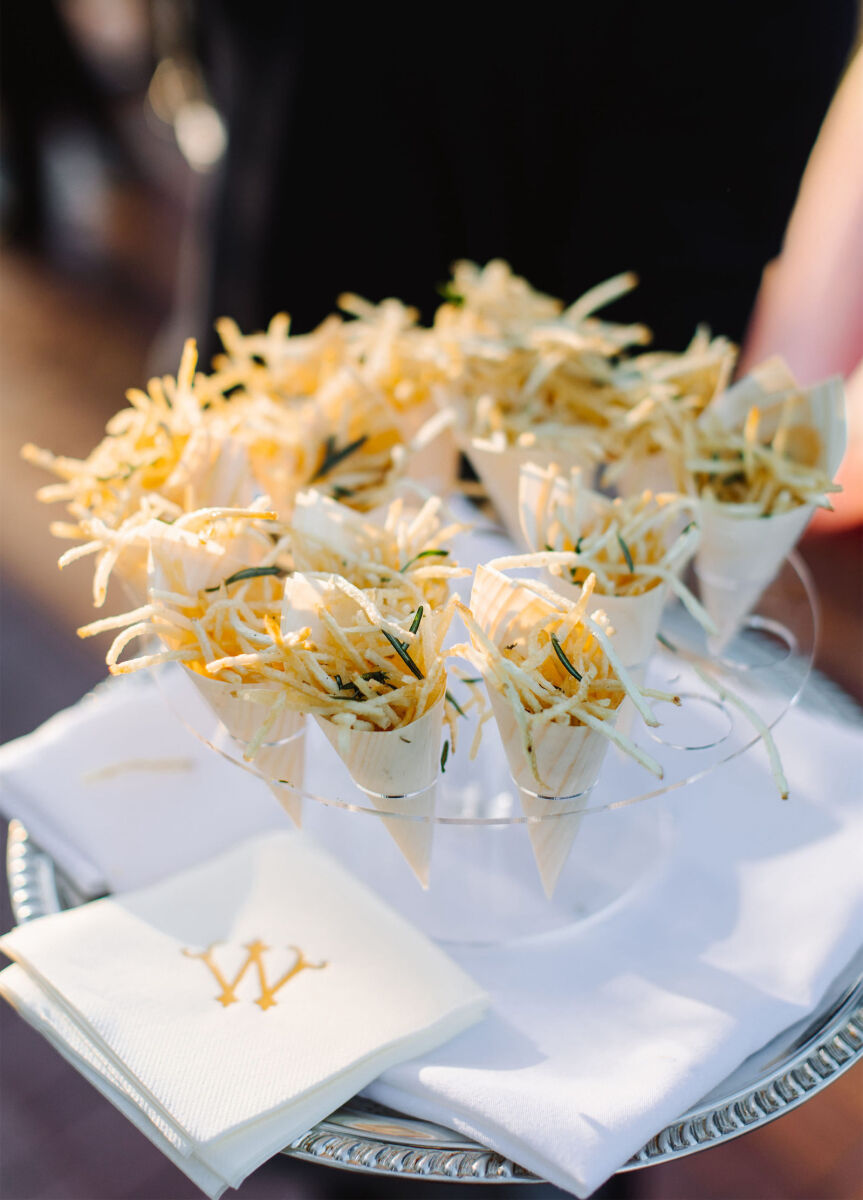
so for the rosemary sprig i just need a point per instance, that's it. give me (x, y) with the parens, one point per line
(333, 456)
(561, 654)
(423, 554)
(250, 573)
(402, 651)
(377, 676)
(450, 698)
(350, 686)
(450, 294)
(444, 755)
(418, 616)
(626, 553)
(471, 678)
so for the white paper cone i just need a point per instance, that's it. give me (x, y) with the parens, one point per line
(568, 757)
(634, 619)
(324, 522)
(290, 801)
(213, 471)
(282, 754)
(499, 471)
(397, 769)
(738, 558)
(741, 551)
(653, 472)
(434, 463)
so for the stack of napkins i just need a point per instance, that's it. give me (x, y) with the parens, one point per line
(229, 1008)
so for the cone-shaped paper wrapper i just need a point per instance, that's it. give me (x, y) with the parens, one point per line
(738, 558)
(652, 472)
(568, 757)
(397, 770)
(180, 562)
(433, 460)
(634, 619)
(499, 472)
(281, 755)
(327, 523)
(213, 470)
(741, 551)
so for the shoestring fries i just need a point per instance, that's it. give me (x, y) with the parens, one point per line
(553, 666)
(772, 469)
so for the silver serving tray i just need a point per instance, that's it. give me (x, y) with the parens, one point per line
(366, 1137)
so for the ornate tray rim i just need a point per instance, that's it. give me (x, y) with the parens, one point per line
(368, 1138)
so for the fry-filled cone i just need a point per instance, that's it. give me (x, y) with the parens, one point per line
(397, 770)
(740, 556)
(397, 767)
(324, 522)
(743, 546)
(634, 619)
(213, 469)
(181, 562)
(281, 755)
(568, 760)
(567, 757)
(545, 500)
(499, 469)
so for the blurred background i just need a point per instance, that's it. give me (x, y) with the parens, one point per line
(164, 163)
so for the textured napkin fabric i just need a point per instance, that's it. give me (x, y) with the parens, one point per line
(229, 1008)
(121, 794)
(600, 1037)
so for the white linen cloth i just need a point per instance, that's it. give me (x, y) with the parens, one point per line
(224, 1066)
(120, 793)
(602, 1035)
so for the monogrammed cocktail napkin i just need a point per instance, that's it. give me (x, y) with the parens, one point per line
(230, 1007)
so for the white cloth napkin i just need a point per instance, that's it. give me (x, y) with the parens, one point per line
(600, 1037)
(223, 1072)
(121, 794)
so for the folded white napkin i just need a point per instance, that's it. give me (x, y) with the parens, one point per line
(600, 1037)
(121, 794)
(230, 1007)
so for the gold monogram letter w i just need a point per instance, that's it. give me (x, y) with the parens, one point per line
(255, 955)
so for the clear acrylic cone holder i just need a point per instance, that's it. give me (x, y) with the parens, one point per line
(474, 839)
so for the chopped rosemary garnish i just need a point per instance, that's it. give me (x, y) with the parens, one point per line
(626, 553)
(250, 573)
(578, 545)
(377, 676)
(549, 548)
(452, 700)
(418, 616)
(341, 493)
(559, 651)
(663, 641)
(423, 554)
(402, 651)
(332, 456)
(444, 755)
(687, 528)
(471, 678)
(450, 294)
